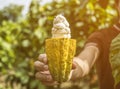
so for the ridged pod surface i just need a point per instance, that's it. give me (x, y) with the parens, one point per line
(60, 53)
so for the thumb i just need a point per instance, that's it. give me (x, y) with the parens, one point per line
(74, 65)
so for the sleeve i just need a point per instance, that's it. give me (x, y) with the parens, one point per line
(95, 39)
(113, 32)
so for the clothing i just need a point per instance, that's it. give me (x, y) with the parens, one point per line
(103, 40)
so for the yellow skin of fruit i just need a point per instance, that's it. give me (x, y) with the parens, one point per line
(60, 53)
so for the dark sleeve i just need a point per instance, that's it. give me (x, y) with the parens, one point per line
(112, 33)
(96, 37)
(103, 38)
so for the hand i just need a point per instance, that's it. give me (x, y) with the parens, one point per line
(43, 73)
(76, 72)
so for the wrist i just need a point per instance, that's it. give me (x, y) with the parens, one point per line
(76, 74)
(82, 65)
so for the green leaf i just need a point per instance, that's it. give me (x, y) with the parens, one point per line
(115, 59)
(4, 59)
(25, 79)
(25, 43)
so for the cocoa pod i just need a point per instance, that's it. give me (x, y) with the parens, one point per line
(60, 53)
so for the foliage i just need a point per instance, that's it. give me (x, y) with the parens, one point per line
(22, 39)
(84, 17)
(115, 59)
(19, 51)
(11, 12)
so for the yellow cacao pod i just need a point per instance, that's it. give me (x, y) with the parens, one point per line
(60, 53)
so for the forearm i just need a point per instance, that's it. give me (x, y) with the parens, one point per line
(86, 59)
(89, 55)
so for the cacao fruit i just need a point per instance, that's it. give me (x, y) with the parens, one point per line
(60, 53)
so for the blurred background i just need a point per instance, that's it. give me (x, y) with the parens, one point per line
(24, 26)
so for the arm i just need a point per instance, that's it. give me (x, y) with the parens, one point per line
(81, 65)
(85, 60)
(117, 26)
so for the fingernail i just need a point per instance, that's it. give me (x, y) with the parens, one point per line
(45, 60)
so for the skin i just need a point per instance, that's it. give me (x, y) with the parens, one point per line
(43, 73)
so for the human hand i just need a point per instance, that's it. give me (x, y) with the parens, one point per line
(43, 73)
(77, 72)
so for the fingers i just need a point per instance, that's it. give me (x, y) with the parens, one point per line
(43, 73)
(39, 66)
(44, 77)
(43, 58)
(70, 75)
